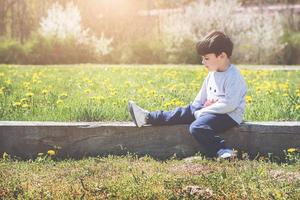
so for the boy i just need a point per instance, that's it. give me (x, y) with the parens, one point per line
(219, 105)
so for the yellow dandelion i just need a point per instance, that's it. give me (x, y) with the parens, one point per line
(298, 107)
(25, 105)
(87, 91)
(285, 95)
(16, 104)
(59, 102)
(44, 92)
(51, 152)
(23, 100)
(8, 82)
(292, 150)
(29, 94)
(249, 99)
(100, 98)
(63, 95)
(26, 84)
(298, 93)
(113, 93)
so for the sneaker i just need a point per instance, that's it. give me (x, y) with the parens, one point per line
(226, 153)
(138, 115)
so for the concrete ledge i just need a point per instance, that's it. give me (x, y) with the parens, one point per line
(78, 139)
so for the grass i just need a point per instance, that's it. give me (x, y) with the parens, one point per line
(100, 93)
(131, 177)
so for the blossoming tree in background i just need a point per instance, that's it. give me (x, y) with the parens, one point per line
(256, 34)
(63, 23)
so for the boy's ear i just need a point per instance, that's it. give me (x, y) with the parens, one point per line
(223, 55)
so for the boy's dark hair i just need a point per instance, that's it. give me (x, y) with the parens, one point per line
(215, 42)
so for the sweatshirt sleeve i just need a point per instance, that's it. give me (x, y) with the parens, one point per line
(201, 96)
(234, 87)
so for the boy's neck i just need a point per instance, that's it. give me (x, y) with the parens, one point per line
(224, 66)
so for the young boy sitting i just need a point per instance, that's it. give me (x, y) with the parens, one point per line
(219, 105)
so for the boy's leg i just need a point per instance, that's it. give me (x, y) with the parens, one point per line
(205, 130)
(180, 115)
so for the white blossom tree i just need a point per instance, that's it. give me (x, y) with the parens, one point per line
(256, 35)
(63, 23)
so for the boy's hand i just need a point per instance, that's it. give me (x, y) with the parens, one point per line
(209, 102)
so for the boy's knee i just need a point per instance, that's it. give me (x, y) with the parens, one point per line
(196, 129)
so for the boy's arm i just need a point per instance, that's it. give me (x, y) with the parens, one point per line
(201, 96)
(234, 90)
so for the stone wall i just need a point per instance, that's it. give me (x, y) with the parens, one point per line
(79, 139)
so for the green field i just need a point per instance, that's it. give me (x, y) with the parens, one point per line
(100, 92)
(131, 177)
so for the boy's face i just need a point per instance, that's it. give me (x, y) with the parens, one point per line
(212, 62)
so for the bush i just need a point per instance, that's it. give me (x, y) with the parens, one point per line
(186, 53)
(60, 51)
(12, 51)
(142, 51)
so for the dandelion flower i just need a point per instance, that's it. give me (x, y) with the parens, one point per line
(8, 82)
(16, 104)
(248, 99)
(63, 95)
(29, 94)
(23, 100)
(87, 91)
(59, 102)
(51, 152)
(44, 92)
(25, 105)
(291, 150)
(26, 84)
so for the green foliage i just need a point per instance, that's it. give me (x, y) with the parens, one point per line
(186, 53)
(292, 47)
(11, 51)
(148, 50)
(40, 50)
(141, 51)
(55, 51)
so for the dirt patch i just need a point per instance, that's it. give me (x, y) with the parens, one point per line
(282, 175)
(197, 192)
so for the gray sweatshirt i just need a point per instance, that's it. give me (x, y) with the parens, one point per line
(228, 89)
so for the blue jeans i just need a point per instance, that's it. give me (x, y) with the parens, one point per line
(205, 129)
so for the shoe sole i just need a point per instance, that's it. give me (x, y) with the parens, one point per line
(132, 113)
